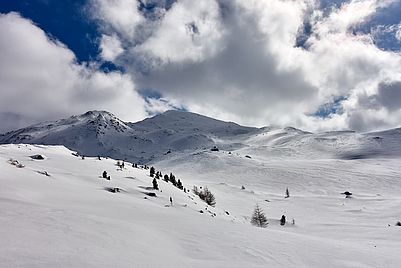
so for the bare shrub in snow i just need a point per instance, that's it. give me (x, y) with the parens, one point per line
(206, 195)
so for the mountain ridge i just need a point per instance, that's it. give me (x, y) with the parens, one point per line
(100, 133)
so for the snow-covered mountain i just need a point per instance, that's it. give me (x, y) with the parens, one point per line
(101, 133)
(176, 132)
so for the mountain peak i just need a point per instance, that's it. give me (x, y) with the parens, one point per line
(97, 113)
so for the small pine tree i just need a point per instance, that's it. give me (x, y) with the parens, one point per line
(152, 171)
(104, 175)
(166, 177)
(259, 218)
(179, 184)
(287, 193)
(155, 185)
(282, 220)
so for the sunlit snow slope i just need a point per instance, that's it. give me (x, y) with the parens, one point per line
(69, 219)
(72, 219)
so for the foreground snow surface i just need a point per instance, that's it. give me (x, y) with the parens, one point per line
(69, 219)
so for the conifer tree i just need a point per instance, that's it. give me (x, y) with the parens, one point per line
(152, 171)
(258, 217)
(287, 193)
(155, 185)
(166, 177)
(172, 179)
(179, 184)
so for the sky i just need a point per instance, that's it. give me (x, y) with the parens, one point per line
(316, 65)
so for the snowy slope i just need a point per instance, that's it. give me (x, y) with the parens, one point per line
(294, 143)
(68, 219)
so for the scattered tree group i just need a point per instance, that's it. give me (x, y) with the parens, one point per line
(206, 195)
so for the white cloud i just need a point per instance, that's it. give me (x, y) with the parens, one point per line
(348, 15)
(110, 47)
(190, 30)
(398, 33)
(237, 60)
(231, 59)
(41, 80)
(161, 105)
(394, 29)
(121, 16)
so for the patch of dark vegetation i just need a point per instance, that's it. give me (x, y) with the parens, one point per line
(214, 149)
(206, 195)
(37, 157)
(113, 189)
(44, 173)
(150, 194)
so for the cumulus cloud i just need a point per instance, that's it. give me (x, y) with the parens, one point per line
(232, 59)
(121, 16)
(110, 47)
(189, 31)
(41, 80)
(239, 60)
